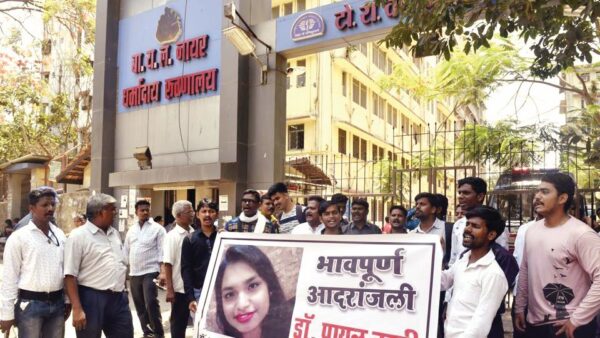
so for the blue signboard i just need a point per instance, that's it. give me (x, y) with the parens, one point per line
(307, 26)
(339, 22)
(169, 53)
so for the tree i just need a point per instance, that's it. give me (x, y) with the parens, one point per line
(470, 78)
(75, 15)
(562, 31)
(42, 113)
(38, 121)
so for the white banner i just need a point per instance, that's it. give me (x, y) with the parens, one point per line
(380, 286)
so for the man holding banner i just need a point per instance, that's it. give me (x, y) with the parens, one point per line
(479, 282)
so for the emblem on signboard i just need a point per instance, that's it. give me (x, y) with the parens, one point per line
(308, 26)
(169, 27)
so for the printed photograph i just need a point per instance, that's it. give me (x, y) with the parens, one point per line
(254, 292)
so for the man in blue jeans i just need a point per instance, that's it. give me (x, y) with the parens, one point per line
(32, 286)
(95, 268)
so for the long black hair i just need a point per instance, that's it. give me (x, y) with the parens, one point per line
(278, 320)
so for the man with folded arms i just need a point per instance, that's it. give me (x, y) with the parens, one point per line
(32, 286)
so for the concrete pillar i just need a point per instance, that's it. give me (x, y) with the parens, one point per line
(104, 103)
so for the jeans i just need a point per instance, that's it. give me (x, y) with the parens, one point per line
(180, 314)
(549, 331)
(40, 319)
(106, 312)
(145, 298)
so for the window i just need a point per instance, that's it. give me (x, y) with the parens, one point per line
(381, 108)
(363, 95)
(381, 60)
(344, 83)
(341, 141)
(363, 150)
(296, 137)
(301, 79)
(416, 133)
(300, 5)
(275, 12)
(287, 9)
(389, 67)
(359, 93)
(395, 118)
(389, 156)
(405, 125)
(362, 47)
(389, 113)
(381, 152)
(375, 101)
(355, 146)
(375, 153)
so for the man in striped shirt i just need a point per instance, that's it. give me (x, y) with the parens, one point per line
(290, 215)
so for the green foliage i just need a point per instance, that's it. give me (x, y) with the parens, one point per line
(37, 121)
(560, 31)
(468, 78)
(35, 118)
(505, 145)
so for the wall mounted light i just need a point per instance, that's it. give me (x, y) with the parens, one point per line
(241, 39)
(144, 157)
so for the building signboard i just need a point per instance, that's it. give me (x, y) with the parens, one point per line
(353, 20)
(164, 57)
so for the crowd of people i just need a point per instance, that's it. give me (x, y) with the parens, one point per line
(554, 272)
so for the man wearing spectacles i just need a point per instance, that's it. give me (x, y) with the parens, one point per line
(250, 220)
(33, 273)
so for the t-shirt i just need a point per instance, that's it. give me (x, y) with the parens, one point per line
(289, 220)
(560, 273)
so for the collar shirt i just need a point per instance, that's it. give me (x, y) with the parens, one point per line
(32, 262)
(306, 229)
(195, 257)
(457, 240)
(96, 258)
(438, 228)
(519, 247)
(172, 254)
(144, 247)
(479, 288)
(368, 229)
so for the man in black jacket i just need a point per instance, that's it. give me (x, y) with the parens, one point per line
(196, 251)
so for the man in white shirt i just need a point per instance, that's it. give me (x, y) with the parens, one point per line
(32, 282)
(144, 248)
(426, 209)
(313, 225)
(471, 194)
(184, 217)
(95, 273)
(518, 255)
(478, 281)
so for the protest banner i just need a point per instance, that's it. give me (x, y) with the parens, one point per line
(305, 286)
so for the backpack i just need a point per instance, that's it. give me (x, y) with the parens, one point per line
(300, 216)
